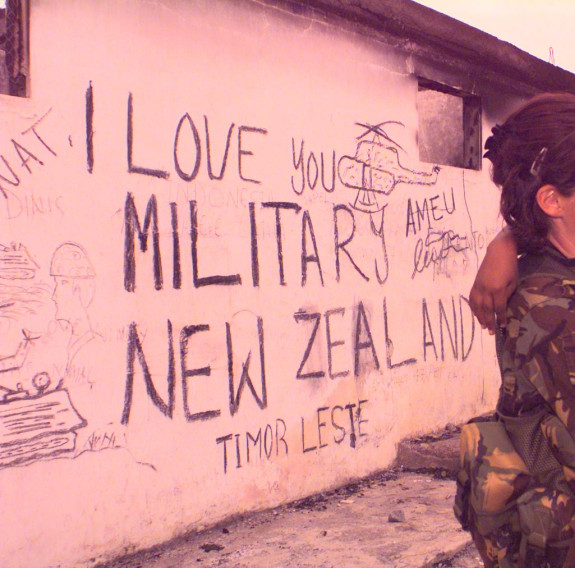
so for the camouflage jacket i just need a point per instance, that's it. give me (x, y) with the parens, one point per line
(538, 363)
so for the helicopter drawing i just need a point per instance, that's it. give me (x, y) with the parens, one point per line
(374, 171)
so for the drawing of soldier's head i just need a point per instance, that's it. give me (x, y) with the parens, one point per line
(73, 275)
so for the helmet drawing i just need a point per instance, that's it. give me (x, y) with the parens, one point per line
(71, 260)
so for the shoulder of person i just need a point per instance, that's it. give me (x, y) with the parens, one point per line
(542, 306)
(548, 292)
(546, 286)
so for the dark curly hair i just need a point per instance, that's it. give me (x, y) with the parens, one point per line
(533, 147)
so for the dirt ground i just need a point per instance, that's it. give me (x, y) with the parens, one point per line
(392, 520)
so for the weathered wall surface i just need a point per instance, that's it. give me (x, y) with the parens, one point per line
(300, 305)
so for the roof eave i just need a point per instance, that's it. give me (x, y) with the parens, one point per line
(421, 31)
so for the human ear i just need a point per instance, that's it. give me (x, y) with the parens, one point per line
(548, 199)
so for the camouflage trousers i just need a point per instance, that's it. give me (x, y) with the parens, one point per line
(515, 521)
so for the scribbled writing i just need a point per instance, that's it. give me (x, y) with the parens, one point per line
(30, 150)
(166, 404)
(334, 424)
(436, 247)
(139, 228)
(429, 212)
(258, 444)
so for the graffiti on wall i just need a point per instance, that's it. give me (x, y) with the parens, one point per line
(374, 171)
(28, 151)
(47, 375)
(53, 403)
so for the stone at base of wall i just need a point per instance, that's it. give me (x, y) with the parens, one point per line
(433, 454)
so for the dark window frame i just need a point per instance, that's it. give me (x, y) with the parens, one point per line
(15, 48)
(471, 150)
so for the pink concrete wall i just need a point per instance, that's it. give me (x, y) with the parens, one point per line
(283, 329)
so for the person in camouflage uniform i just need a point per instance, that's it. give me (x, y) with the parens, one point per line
(516, 487)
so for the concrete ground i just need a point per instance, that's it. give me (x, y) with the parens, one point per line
(394, 519)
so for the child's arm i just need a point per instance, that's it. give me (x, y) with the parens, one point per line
(495, 281)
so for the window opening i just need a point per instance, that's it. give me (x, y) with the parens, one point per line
(449, 126)
(14, 44)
